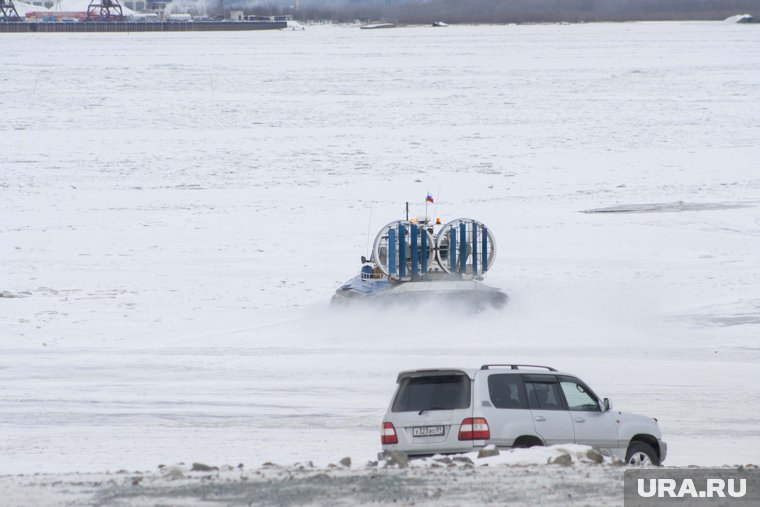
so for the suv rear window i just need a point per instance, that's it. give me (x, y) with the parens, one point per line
(434, 392)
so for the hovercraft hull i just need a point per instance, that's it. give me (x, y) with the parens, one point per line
(469, 293)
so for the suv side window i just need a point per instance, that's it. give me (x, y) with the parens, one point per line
(579, 397)
(507, 391)
(544, 395)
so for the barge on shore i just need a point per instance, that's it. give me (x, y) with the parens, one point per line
(140, 26)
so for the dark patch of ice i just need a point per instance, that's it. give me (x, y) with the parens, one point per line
(669, 207)
(731, 320)
(11, 295)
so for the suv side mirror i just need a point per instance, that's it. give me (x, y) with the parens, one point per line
(607, 405)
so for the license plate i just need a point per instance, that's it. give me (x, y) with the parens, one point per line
(427, 431)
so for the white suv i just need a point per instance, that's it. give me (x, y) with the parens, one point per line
(459, 410)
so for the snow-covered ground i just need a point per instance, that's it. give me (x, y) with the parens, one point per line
(561, 475)
(177, 209)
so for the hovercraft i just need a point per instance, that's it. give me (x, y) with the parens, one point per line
(416, 261)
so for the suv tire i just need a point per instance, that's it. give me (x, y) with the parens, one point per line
(526, 442)
(641, 454)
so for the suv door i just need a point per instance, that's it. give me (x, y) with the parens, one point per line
(502, 401)
(547, 406)
(592, 426)
(428, 409)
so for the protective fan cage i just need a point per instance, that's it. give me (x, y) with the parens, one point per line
(471, 258)
(397, 263)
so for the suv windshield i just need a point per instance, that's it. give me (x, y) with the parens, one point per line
(435, 392)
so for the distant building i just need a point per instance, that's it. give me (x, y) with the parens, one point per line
(46, 4)
(280, 18)
(136, 5)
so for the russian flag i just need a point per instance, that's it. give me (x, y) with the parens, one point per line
(429, 198)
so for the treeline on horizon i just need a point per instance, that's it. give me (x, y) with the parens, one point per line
(519, 11)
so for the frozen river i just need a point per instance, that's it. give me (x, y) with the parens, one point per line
(177, 209)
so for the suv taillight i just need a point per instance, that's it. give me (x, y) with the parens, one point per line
(388, 436)
(474, 428)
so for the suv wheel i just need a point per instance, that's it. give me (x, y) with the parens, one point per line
(526, 442)
(641, 455)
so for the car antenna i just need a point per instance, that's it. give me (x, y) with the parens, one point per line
(407, 211)
(369, 226)
(437, 200)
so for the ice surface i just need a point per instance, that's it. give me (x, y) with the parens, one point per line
(177, 210)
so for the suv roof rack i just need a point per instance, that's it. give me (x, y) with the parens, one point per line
(516, 366)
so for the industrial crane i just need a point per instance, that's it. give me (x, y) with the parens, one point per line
(8, 11)
(104, 10)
